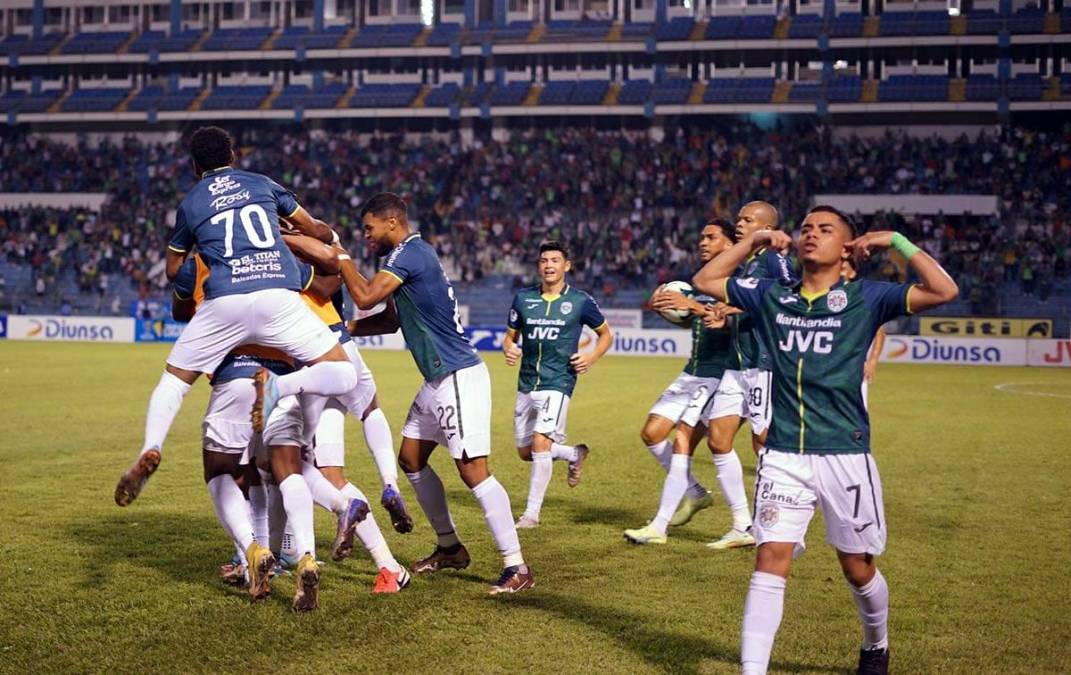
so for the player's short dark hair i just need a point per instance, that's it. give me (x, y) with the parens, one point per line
(384, 204)
(554, 245)
(727, 228)
(211, 148)
(845, 218)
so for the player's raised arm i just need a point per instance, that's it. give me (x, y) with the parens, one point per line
(318, 254)
(711, 278)
(381, 323)
(303, 222)
(935, 286)
(179, 246)
(663, 300)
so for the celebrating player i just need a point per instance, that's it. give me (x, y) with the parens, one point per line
(549, 319)
(453, 407)
(818, 332)
(685, 402)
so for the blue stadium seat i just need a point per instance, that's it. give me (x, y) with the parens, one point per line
(387, 35)
(590, 92)
(157, 98)
(1025, 87)
(897, 23)
(676, 29)
(384, 95)
(444, 34)
(984, 22)
(672, 92)
(480, 94)
(739, 90)
(511, 94)
(515, 31)
(25, 46)
(95, 43)
(757, 27)
(557, 93)
(94, 100)
(634, 92)
(299, 95)
(236, 39)
(632, 31)
(806, 26)
(179, 42)
(236, 97)
(900, 88)
(845, 89)
(301, 36)
(1030, 19)
(849, 24)
(443, 95)
(982, 88)
(805, 92)
(12, 100)
(932, 23)
(723, 28)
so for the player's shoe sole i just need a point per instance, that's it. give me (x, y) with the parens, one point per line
(307, 595)
(356, 511)
(577, 468)
(526, 523)
(689, 507)
(513, 580)
(391, 582)
(645, 535)
(261, 570)
(132, 482)
(733, 539)
(399, 515)
(266, 398)
(442, 559)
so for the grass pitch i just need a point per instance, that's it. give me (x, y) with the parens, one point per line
(976, 488)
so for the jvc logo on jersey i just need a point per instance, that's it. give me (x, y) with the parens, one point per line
(820, 342)
(543, 333)
(222, 185)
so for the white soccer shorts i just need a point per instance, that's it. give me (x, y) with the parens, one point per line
(330, 445)
(455, 411)
(227, 427)
(685, 399)
(271, 318)
(745, 394)
(540, 412)
(788, 487)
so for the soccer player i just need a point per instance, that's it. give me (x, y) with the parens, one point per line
(232, 217)
(744, 391)
(818, 332)
(686, 400)
(549, 319)
(453, 407)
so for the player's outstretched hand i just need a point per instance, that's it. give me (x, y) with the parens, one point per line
(775, 239)
(862, 247)
(582, 362)
(513, 354)
(663, 300)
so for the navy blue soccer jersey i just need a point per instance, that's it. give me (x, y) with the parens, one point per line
(232, 217)
(428, 311)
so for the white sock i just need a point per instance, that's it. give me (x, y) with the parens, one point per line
(432, 497)
(873, 603)
(381, 444)
(298, 503)
(287, 546)
(371, 536)
(565, 453)
(731, 480)
(672, 491)
(258, 511)
(327, 378)
(323, 492)
(662, 453)
(762, 615)
(542, 469)
(164, 404)
(230, 507)
(499, 516)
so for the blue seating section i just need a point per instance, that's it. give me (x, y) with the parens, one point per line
(982, 88)
(806, 26)
(236, 97)
(157, 98)
(384, 95)
(20, 101)
(676, 29)
(805, 92)
(634, 92)
(897, 23)
(179, 42)
(914, 23)
(739, 90)
(1027, 20)
(634, 31)
(511, 94)
(299, 95)
(515, 31)
(899, 88)
(932, 23)
(94, 100)
(1025, 87)
(480, 94)
(723, 28)
(388, 35)
(24, 46)
(845, 89)
(557, 93)
(576, 31)
(1065, 84)
(301, 36)
(444, 34)
(236, 39)
(95, 43)
(443, 95)
(984, 22)
(672, 92)
(757, 27)
(849, 24)
(590, 92)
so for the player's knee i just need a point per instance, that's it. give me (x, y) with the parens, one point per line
(409, 464)
(774, 558)
(650, 434)
(525, 452)
(858, 568)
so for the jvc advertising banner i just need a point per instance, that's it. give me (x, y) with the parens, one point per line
(70, 328)
(1048, 353)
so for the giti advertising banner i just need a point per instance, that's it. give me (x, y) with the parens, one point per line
(956, 351)
(70, 328)
(946, 326)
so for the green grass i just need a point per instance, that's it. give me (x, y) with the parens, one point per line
(976, 498)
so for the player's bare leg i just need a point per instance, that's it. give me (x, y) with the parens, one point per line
(655, 435)
(871, 595)
(731, 480)
(764, 606)
(449, 552)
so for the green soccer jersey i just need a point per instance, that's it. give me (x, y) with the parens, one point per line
(764, 264)
(713, 351)
(550, 328)
(818, 347)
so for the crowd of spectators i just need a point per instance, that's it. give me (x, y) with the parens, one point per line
(626, 205)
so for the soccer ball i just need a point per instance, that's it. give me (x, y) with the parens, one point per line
(676, 316)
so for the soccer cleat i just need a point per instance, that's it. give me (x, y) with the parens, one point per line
(645, 535)
(575, 468)
(689, 507)
(391, 582)
(356, 511)
(734, 538)
(513, 580)
(527, 522)
(267, 397)
(454, 557)
(261, 570)
(131, 483)
(399, 515)
(233, 574)
(873, 662)
(307, 595)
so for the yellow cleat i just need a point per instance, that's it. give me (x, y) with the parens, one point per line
(307, 595)
(261, 569)
(689, 507)
(645, 535)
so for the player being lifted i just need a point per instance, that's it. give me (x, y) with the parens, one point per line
(818, 332)
(684, 403)
(549, 319)
(453, 407)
